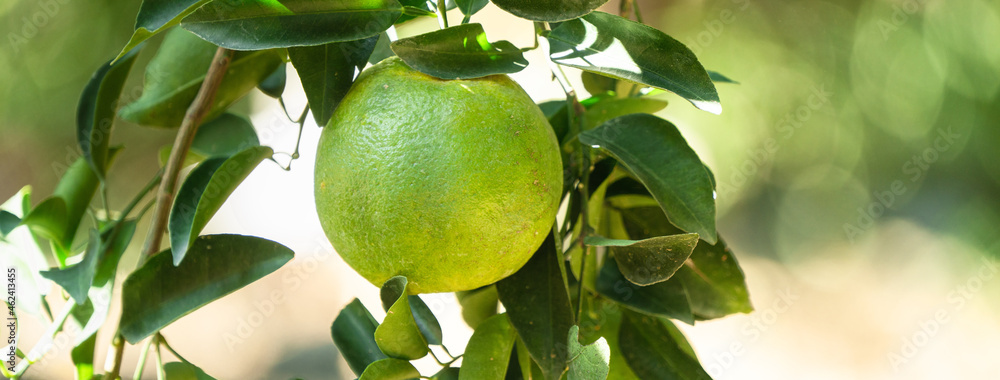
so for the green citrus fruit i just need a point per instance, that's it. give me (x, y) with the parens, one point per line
(451, 183)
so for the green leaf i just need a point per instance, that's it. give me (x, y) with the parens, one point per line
(719, 78)
(712, 277)
(538, 306)
(587, 362)
(225, 135)
(383, 49)
(652, 352)
(95, 114)
(390, 369)
(99, 264)
(159, 293)
(597, 84)
(174, 76)
(612, 108)
(656, 153)
(399, 336)
(48, 220)
(666, 299)
(549, 10)
(470, 7)
(8, 222)
(488, 353)
(203, 193)
(354, 335)
(156, 16)
(459, 52)
(447, 373)
(274, 84)
(391, 293)
(649, 261)
(83, 358)
(625, 49)
(255, 25)
(478, 304)
(184, 371)
(327, 72)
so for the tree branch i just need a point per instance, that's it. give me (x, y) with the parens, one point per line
(192, 119)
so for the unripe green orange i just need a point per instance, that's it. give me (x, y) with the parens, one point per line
(451, 183)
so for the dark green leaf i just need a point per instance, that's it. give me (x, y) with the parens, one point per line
(612, 108)
(712, 278)
(156, 16)
(549, 10)
(159, 293)
(83, 358)
(327, 72)
(537, 303)
(459, 52)
(184, 371)
(649, 261)
(255, 25)
(390, 369)
(556, 112)
(587, 362)
(225, 135)
(666, 299)
(95, 113)
(428, 325)
(354, 334)
(717, 77)
(174, 76)
(399, 335)
(8, 222)
(447, 373)
(274, 84)
(76, 279)
(478, 304)
(383, 49)
(652, 352)
(203, 193)
(655, 152)
(625, 49)
(488, 353)
(470, 7)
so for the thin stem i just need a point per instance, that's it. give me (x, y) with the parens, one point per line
(443, 13)
(638, 14)
(163, 342)
(104, 200)
(116, 366)
(625, 8)
(160, 373)
(192, 119)
(34, 355)
(142, 194)
(142, 358)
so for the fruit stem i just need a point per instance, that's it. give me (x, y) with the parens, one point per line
(185, 136)
(443, 13)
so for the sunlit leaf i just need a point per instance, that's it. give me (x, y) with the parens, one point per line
(587, 362)
(549, 10)
(488, 352)
(327, 72)
(399, 336)
(156, 16)
(612, 108)
(159, 293)
(652, 352)
(390, 369)
(666, 299)
(204, 191)
(656, 153)
(537, 303)
(621, 48)
(478, 304)
(48, 219)
(459, 52)
(391, 293)
(96, 111)
(184, 371)
(255, 25)
(448, 373)
(174, 76)
(649, 261)
(354, 334)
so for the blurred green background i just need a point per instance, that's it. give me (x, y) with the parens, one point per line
(857, 165)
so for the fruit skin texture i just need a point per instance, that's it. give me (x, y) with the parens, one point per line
(453, 184)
